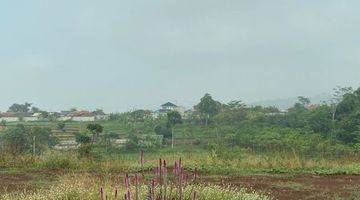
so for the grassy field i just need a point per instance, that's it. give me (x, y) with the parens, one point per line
(244, 173)
(28, 178)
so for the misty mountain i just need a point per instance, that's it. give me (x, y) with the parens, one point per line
(286, 103)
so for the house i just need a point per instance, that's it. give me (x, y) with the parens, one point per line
(64, 118)
(82, 116)
(9, 117)
(32, 117)
(100, 115)
(168, 107)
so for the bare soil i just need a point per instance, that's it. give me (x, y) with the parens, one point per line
(282, 187)
(287, 187)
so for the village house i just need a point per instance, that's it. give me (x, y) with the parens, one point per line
(82, 116)
(32, 117)
(9, 117)
(168, 107)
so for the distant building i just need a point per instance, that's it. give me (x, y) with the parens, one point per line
(30, 118)
(102, 117)
(82, 116)
(168, 107)
(9, 117)
(312, 106)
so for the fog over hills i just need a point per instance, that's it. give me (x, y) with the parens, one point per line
(285, 103)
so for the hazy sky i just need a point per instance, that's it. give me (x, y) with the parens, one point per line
(121, 54)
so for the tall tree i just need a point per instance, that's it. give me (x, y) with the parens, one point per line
(16, 140)
(235, 105)
(304, 101)
(20, 108)
(173, 118)
(339, 93)
(208, 107)
(35, 109)
(95, 129)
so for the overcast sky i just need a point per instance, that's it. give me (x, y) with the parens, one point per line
(124, 54)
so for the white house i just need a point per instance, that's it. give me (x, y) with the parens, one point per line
(9, 117)
(83, 118)
(102, 117)
(65, 118)
(167, 107)
(30, 119)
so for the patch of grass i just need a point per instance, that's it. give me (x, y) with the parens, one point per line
(87, 187)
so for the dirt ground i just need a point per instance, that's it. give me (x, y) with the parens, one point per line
(286, 187)
(21, 181)
(282, 187)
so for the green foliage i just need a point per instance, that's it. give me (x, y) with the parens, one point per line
(208, 107)
(61, 126)
(95, 129)
(43, 138)
(163, 130)
(20, 108)
(16, 140)
(82, 138)
(173, 118)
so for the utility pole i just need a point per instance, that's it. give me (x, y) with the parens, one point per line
(34, 140)
(172, 138)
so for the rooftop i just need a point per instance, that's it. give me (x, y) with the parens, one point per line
(168, 104)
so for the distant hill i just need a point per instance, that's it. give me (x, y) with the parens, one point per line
(289, 102)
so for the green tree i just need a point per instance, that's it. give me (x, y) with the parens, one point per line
(35, 109)
(339, 93)
(20, 108)
(95, 129)
(163, 130)
(16, 140)
(304, 101)
(320, 120)
(61, 126)
(208, 107)
(85, 144)
(42, 139)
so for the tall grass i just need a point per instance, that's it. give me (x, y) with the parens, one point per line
(88, 187)
(207, 162)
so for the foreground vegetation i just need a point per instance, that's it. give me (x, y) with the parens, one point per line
(161, 184)
(88, 188)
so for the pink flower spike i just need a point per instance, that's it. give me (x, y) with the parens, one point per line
(128, 195)
(175, 168)
(127, 183)
(157, 172)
